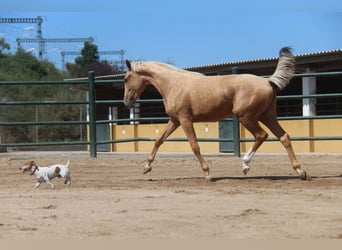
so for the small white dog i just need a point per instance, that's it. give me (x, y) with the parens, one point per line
(46, 174)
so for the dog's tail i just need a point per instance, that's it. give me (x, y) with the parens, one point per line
(285, 69)
(68, 163)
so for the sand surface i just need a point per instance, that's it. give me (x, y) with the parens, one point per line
(110, 198)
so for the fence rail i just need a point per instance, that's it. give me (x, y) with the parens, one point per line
(92, 123)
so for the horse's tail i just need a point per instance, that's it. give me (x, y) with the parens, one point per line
(285, 69)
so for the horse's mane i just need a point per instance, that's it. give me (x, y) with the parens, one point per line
(170, 67)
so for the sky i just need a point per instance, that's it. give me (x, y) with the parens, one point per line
(183, 33)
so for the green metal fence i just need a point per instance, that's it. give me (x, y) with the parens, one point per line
(10, 104)
(92, 123)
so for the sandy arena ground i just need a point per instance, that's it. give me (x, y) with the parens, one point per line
(110, 198)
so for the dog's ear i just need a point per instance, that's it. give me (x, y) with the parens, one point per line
(57, 170)
(29, 163)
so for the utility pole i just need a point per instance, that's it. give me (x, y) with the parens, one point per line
(40, 38)
(112, 52)
(38, 21)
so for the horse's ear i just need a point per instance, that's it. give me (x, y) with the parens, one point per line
(128, 63)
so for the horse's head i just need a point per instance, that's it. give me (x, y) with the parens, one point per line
(134, 84)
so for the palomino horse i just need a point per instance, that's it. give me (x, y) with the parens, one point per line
(192, 97)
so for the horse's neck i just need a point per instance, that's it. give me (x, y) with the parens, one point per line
(159, 76)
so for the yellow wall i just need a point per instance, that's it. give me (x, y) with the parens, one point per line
(301, 128)
(296, 128)
(331, 127)
(203, 130)
(124, 132)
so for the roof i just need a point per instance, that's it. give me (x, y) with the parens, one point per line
(309, 58)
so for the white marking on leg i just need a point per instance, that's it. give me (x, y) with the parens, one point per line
(51, 185)
(246, 160)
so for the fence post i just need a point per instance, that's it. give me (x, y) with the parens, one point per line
(236, 126)
(92, 120)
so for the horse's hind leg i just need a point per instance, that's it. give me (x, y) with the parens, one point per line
(171, 126)
(270, 120)
(260, 136)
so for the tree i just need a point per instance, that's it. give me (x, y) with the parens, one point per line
(89, 54)
(4, 45)
(90, 61)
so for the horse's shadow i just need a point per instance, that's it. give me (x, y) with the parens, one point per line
(246, 178)
(271, 178)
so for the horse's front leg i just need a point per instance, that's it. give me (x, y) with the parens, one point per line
(170, 127)
(191, 135)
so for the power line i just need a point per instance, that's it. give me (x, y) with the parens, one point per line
(55, 40)
(110, 52)
(22, 20)
(41, 42)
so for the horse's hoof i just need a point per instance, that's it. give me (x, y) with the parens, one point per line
(209, 178)
(245, 170)
(305, 176)
(147, 169)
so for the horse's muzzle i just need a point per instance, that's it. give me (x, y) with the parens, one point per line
(129, 103)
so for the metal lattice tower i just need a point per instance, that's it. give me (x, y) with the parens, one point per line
(40, 40)
(38, 21)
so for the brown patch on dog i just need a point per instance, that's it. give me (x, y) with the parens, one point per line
(30, 164)
(57, 170)
(27, 166)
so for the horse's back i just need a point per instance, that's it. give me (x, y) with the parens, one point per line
(252, 94)
(241, 84)
(210, 98)
(245, 92)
